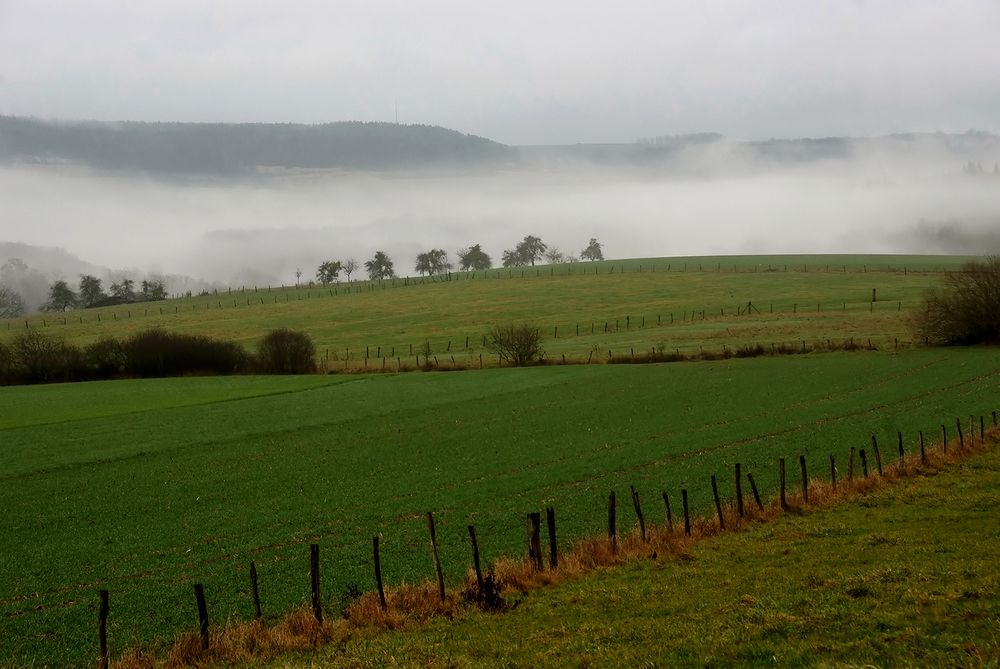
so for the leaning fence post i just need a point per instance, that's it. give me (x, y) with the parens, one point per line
(756, 493)
(961, 437)
(314, 579)
(781, 482)
(638, 513)
(833, 473)
(718, 503)
(739, 490)
(378, 573)
(878, 456)
(864, 462)
(255, 590)
(923, 454)
(670, 516)
(102, 628)
(550, 520)
(687, 516)
(612, 523)
(434, 552)
(199, 595)
(805, 478)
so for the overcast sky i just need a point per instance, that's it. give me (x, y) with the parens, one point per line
(557, 71)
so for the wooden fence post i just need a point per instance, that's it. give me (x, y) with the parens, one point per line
(833, 473)
(739, 490)
(199, 595)
(781, 482)
(994, 419)
(878, 455)
(923, 454)
(982, 430)
(944, 439)
(534, 540)
(899, 438)
(718, 503)
(255, 591)
(670, 516)
(805, 478)
(475, 561)
(961, 437)
(317, 603)
(638, 513)
(102, 628)
(550, 520)
(612, 523)
(864, 462)
(378, 573)
(756, 493)
(434, 553)
(687, 516)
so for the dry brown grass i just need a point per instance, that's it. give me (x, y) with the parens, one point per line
(243, 643)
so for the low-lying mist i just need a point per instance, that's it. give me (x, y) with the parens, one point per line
(260, 229)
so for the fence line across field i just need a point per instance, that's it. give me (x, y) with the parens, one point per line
(534, 544)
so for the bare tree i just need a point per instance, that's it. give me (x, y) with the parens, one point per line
(11, 304)
(518, 345)
(350, 267)
(967, 309)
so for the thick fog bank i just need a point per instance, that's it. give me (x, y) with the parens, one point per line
(261, 230)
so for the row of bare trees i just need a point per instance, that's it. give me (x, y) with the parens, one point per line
(528, 251)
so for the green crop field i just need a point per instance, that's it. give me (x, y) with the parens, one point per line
(618, 306)
(904, 577)
(145, 487)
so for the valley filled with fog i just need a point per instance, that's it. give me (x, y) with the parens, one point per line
(260, 228)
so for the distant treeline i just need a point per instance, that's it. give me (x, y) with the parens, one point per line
(34, 357)
(222, 148)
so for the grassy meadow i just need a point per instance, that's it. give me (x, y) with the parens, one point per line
(669, 303)
(146, 487)
(905, 576)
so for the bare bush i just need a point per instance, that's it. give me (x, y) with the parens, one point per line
(966, 310)
(518, 345)
(286, 351)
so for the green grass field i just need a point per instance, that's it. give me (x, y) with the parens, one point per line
(906, 576)
(145, 487)
(673, 303)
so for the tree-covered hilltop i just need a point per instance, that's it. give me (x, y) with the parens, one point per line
(221, 148)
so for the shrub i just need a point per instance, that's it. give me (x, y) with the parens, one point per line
(286, 351)
(157, 352)
(517, 345)
(106, 358)
(39, 358)
(966, 310)
(6, 363)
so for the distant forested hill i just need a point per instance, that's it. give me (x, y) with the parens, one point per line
(220, 148)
